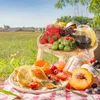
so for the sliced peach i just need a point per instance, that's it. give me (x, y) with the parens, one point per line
(81, 79)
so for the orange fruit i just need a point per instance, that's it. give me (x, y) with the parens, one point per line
(60, 65)
(42, 63)
(39, 63)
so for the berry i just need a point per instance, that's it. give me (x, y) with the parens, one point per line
(69, 31)
(57, 35)
(92, 60)
(51, 41)
(89, 91)
(67, 38)
(46, 33)
(97, 90)
(34, 85)
(68, 86)
(56, 71)
(47, 72)
(94, 85)
(54, 37)
(46, 37)
(71, 39)
(53, 68)
(54, 81)
(50, 34)
(62, 32)
(43, 40)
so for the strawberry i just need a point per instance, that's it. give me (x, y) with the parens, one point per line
(68, 86)
(48, 72)
(50, 33)
(46, 37)
(57, 35)
(43, 40)
(46, 33)
(53, 68)
(34, 85)
(56, 71)
(67, 38)
(54, 37)
(93, 60)
(51, 40)
(71, 39)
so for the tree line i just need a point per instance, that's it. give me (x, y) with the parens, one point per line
(79, 19)
(93, 7)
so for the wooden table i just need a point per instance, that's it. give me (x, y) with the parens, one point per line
(61, 54)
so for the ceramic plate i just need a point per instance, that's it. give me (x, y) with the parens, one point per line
(14, 83)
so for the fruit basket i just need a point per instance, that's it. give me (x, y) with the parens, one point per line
(61, 54)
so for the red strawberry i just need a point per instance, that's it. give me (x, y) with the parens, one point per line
(50, 33)
(46, 33)
(46, 37)
(54, 37)
(57, 35)
(43, 40)
(67, 38)
(71, 39)
(51, 40)
(68, 86)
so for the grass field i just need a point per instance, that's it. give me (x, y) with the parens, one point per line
(18, 48)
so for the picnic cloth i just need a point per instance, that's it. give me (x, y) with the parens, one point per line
(57, 95)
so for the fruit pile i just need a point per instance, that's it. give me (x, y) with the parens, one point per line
(44, 75)
(65, 44)
(58, 72)
(54, 32)
(51, 34)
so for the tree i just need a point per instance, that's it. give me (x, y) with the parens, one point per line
(93, 6)
(79, 19)
(65, 19)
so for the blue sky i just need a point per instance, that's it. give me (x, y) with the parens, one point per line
(37, 13)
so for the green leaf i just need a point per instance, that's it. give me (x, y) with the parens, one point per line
(10, 93)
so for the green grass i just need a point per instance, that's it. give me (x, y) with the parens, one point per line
(18, 48)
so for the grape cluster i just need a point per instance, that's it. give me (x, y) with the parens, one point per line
(65, 32)
(70, 31)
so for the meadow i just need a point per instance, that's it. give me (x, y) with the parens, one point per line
(17, 49)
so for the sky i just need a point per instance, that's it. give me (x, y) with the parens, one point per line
(35, 13)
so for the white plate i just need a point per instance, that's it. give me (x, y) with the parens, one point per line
(23, 89)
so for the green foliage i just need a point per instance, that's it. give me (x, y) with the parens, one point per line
(62, 3)
(82, 19)
(65, 19)
(96, 22)
(79, 19)
(93, 6)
